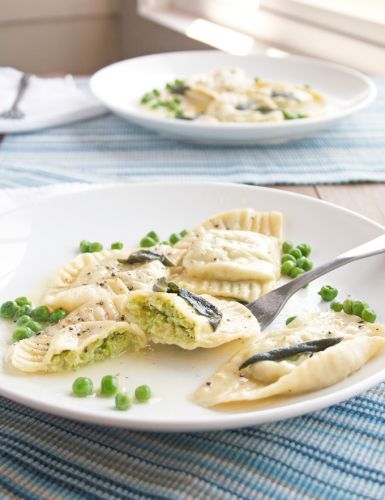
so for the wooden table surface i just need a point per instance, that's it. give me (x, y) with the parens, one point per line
(368, 199)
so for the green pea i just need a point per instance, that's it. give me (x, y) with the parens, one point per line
(40, 313)
(305, 249)
(289, 320)
(21, 333)
(305, 264)
(174, 238)
(295, 272)
(358, 306)
(23, 310)
(84, 246)
(368, 315)
(142, 393)
(288, 115)
(95, 246)
(287, 257)
(109, 385)
(328, 293)
(23, 320)
(287, 266)
(184, 233)
(22, 301)
(336, 306)
(82, 387)
(287, 246)
(295, 252)
(347, 306)
(154, 236)
(117, 245)
(123, 401)
(56, 315)
(8, 309)
(147, 242)
(34, 326)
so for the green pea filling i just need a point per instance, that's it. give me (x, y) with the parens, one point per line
(162, 321)
(109, 347)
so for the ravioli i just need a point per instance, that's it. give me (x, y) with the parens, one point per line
(96, 276)
(235, 254)
(240, 219)
(244, 291)
(229, 95)
(70, 346)
(168, 319)
(356, 342)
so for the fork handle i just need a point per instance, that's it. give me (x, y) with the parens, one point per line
(372, 247)
(23, 84)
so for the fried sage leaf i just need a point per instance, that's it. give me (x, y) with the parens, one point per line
(284, 94)
(146, 256)
(201, 305)
(178, 87)
(254, 107)
(287, 352)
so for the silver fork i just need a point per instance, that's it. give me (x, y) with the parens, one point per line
(267, 307)
(14, 113)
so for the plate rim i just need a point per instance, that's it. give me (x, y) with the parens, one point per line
(223, 420)
(288, 124)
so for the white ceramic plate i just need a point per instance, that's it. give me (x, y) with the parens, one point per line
(121, 85)
(36, 242)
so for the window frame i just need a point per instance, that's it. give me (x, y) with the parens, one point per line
(288, 25)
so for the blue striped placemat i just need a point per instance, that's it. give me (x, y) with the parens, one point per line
(338, 453)
(109, 149)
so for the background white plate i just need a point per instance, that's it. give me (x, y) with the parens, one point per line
(37, 242)
(121, 85)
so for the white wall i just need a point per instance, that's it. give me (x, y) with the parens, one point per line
(78, 36)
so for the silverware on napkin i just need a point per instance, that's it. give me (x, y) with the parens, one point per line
(14, 113)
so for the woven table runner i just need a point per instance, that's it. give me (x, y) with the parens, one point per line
(108, 149)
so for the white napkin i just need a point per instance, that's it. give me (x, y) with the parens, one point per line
(46, 102)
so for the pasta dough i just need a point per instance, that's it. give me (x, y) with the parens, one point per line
(96, 276)
(303, 372)
(235, 254)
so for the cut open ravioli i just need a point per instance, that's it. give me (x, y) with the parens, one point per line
(67, 347)
(348, 344)
(168, 319)
(96, 276)
(235, 254)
